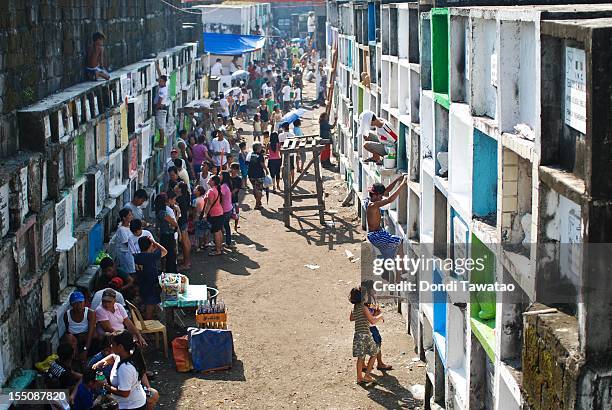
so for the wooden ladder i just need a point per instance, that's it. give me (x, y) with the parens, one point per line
(293, 146)
(332, 79)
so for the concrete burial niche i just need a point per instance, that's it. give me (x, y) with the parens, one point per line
(384, 28)
(517, 75)
(385, 73)
(439, 55)
(403, 31)
(461, 161)
(510, 320)
(393, 24)
(393, 83)
(427, 209)
(427, 124)
(561, 254)
(483, 303)
(440, 224)
(516, 203)
(575, 100)
(403, 147)
(415, 94)
(484, 178)
(481, 377)
(425, 51)
(483, 64)
(456, 355)
(413, 149)
(440, 301)
(459, 52)
(413, 215)
(441, 125)
(403, 90)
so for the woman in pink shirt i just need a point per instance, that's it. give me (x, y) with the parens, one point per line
(112, 317)
(274, 160)
(199, 154)
(228, 208)
(214, 210)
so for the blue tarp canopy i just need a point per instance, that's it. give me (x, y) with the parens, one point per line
(232, 44)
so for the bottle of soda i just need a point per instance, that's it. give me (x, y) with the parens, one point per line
(101, 378)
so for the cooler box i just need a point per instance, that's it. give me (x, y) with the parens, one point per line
(211, 349)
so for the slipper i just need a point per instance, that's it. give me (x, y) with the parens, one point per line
(387, 367)
(215, 254)
(365, 381)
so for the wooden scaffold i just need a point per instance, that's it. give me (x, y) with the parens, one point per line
(293, 146)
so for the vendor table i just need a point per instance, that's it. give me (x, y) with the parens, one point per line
(187, 301)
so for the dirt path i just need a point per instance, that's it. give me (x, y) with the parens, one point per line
(290, 324)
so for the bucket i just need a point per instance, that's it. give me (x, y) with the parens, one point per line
(389, 163)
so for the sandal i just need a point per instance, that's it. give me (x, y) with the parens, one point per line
(384, 368)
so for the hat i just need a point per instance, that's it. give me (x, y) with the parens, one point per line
(109, 295)
(76, 297)
(377, 188)
(365, 122)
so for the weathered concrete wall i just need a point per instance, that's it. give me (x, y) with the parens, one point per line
(43, 45)
(552, 363)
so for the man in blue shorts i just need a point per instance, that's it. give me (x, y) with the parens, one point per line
(389, 245)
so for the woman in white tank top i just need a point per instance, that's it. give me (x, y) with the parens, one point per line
(80, 323)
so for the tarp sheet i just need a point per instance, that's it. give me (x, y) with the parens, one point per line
(232, 44)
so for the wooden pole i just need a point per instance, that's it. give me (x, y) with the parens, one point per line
(319, 185)
(287, 190)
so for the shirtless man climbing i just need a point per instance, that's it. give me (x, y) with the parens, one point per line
(95, 58)
(389, 245)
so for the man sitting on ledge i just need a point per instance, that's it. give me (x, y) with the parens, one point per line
(95, 59)
(389, 245)
(380, 144)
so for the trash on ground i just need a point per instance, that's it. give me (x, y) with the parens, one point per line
(418, 391)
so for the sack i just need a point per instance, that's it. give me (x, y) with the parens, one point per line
(211, 349)
(180, 352)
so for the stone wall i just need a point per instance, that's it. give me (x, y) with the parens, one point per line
(552, 362)
(43, 45)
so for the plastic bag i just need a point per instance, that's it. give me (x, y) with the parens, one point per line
(44, 366)
(180, 352)
(267, 182)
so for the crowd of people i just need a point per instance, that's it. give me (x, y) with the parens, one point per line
(99, 360)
